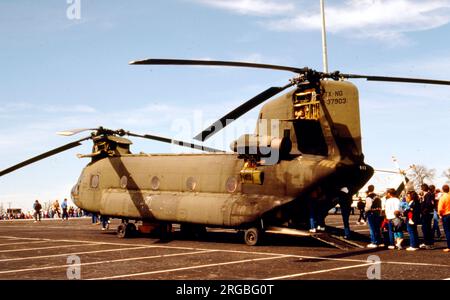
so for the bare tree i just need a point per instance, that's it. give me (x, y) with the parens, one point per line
(47, 205)
(446, 174)
(419, 174)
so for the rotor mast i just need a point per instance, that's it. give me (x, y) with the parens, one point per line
(324, 37)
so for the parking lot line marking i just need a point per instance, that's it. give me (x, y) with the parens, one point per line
(117, 244)
(188, 268)
(384, 262)
(319, 271)
(40, 227)
(42, 239)
(73, 253)
(45, 248)
(21, 243)
(238, 251)
(104, 262)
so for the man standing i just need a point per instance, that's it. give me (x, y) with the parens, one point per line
(37, 211)
(56, 208)
(362, 215)
(373, 211)
(427, 211)
(444, 213)
(64, 209)
(392, 205)
(435, 230)
(345, 202)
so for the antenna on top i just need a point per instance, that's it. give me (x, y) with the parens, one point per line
(324, 37)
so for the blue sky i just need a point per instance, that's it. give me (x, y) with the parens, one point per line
(59, 73)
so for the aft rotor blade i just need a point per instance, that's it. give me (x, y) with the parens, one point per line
(192, 62)
(43, 155)
(239, 111)
(397, 79)
(175, 142)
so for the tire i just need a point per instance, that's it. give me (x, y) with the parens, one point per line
(165, 231)
(130, 229)
(122, 231)
(253, 236)
(200, 232)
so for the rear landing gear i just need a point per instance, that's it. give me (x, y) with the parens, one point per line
(126, 230)
(253, 236)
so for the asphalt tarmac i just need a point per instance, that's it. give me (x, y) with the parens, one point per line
(77, 249)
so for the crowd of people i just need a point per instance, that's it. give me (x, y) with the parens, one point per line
(63, 211)
(55, 210)
(389, 220)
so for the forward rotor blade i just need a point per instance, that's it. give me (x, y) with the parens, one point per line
(43, 155)
(192, 62)
(175, 142)
(74, 131)
(397, 79)
(239, 111)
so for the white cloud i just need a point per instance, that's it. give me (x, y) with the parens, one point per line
(75, 108)
(375, 18)
(379, 19)
(251, 7)
(26, 106)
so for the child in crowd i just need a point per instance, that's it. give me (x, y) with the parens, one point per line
(406, 207)
(385, 231)
(398, 226)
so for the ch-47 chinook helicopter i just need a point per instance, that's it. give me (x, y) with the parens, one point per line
(270, 179)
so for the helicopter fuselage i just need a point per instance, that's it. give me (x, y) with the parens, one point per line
(205, 189)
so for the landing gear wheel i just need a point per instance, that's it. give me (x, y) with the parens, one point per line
(253, 236)
(122, 231)
(131, 229)
(165, 231)
(126, 230)
(201, 232)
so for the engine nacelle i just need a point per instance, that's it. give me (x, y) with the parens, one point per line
(272, 149)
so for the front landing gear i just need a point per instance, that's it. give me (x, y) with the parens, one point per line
(253, 236)
(126, 230)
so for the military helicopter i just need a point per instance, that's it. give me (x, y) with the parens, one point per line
(305, 151)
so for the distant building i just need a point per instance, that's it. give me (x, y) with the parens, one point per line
(14, 211)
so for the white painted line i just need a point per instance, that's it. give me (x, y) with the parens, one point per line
(45, 227)
(236, 251)
(45, 248)
(188, 268)
(22, 243)
(42, 239)
(318, 272)
(105, 261)
(361, 260)
(44, 220)
(117, 244)
(73, 253)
